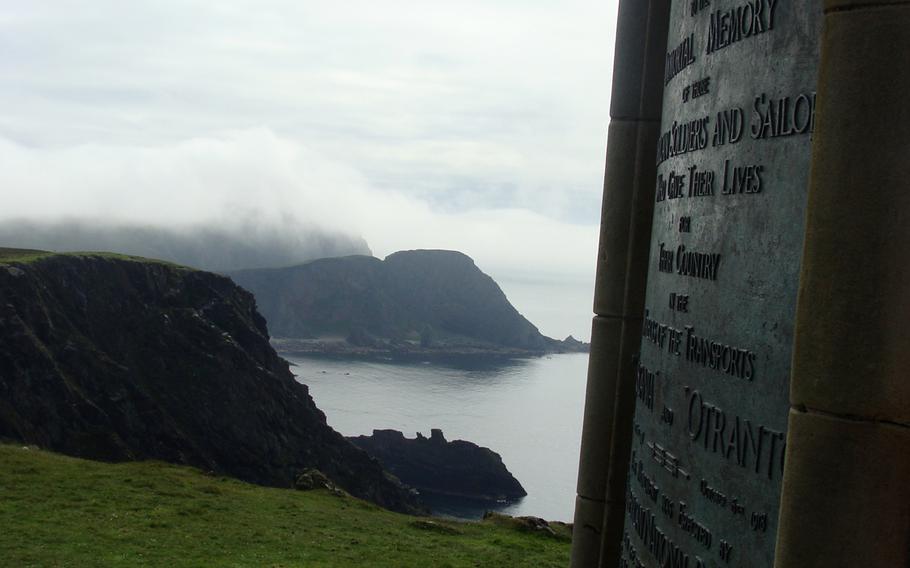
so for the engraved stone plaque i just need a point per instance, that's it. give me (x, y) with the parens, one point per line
(712, 380)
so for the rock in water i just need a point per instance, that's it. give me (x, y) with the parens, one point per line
(121, 359)
(433, 465)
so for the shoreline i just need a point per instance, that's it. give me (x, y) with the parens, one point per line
(343, 350)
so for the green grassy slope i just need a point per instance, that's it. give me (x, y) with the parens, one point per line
(21, 255)
(62, 511)
(24, 256)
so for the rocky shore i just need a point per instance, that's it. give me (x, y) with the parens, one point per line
(414, 351)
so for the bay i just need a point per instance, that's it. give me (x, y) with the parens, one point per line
(529, 411)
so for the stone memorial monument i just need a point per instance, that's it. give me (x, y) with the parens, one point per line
(748, 395)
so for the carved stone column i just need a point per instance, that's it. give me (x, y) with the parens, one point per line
(635, 113)
(846, 489)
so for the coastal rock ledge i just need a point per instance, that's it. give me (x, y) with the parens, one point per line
(434, 465)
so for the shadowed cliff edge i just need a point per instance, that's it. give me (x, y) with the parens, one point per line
(118, 358)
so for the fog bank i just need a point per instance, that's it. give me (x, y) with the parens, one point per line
(251, 198)
(207, 247)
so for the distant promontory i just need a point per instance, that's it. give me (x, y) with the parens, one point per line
(420, 302)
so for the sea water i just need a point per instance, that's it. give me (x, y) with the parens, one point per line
(529, 411)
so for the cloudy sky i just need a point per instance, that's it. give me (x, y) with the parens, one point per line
(471, 125)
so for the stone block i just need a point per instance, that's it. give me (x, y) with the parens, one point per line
(600, 401)
(621, 442)
(851, 355)
(626, 219)
(641, 39)
(586, 533)
(624, 411)
(616, 214)
(642, 213)
(845, 500)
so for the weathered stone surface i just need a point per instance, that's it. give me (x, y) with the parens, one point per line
(642, 211)
(641, 36)
(729, 198)
(625, 219)
(846, 500)
(613, 247)
(586, 532)
(600, 403)
(609, 405)
(851, 348)
(710, 431)
(621, 442)
(624, 401)
(622, 262)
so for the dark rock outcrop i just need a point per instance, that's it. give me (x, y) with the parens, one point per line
(535, 525)
(311, 479)
(116, 359)
(412, 300)
(433, 465)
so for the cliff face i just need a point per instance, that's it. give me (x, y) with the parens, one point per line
(116, 359)
(434, 465)
(428, 296)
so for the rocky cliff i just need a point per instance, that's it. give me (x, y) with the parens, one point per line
(115, 358)
(434, 465)
(423, 299)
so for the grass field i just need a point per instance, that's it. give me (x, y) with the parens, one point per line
(62, 511)
(21, 255)
(24, 256)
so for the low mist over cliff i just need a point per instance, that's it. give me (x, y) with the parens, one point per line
(205, 246)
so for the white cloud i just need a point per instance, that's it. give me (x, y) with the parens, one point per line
(473, 125)
(254, 174)
(447, 100)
